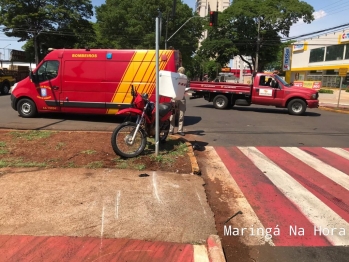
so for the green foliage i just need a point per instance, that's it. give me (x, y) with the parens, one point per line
(132, 26)
(347, 90)
(326, 91)
(243, 20)
(277, 63)
(52, 23)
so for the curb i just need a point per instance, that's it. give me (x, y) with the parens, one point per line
(194, 163)
(334, 110)
(215, 250)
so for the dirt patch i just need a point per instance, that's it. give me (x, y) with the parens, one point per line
(50, 149)
(233, 248)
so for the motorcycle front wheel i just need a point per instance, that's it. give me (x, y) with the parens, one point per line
(121, 140)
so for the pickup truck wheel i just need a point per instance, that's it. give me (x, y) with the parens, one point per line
(297, 107)
(5, 89)
(26, 108)
(221, 102)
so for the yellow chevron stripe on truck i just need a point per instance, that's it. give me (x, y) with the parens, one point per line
(141, 73)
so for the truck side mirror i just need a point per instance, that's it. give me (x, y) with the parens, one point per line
(33, 77)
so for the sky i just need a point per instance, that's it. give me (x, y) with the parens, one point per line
(328, 13)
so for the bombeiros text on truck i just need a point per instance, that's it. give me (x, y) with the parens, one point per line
(266, 89)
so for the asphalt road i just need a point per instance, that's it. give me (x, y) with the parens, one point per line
(240, 126)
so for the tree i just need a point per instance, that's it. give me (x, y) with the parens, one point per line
(276, 65)
(31, 19)
(131, 25)
(254, 25)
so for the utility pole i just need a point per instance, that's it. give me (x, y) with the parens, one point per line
(256, 65)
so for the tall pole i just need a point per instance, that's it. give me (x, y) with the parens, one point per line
(157, 87)
(340, 89)
(256, 66)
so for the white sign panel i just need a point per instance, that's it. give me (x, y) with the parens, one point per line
(286, 64)
(265, 92)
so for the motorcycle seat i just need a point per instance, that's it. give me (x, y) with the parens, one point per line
(164, 108)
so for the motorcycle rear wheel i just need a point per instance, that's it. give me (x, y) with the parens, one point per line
(120, 140)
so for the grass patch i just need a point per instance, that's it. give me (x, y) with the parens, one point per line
(122, 164)
(31, 135)
(88, 152)
(96, 164)
(20, 163)
(71, 164)
(59, 146)
(140, 167)
(326, 91)
(2, 148)
(169, 151)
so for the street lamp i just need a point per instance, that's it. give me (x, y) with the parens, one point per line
(166, 40)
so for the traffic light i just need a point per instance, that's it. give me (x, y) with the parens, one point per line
(213, 18)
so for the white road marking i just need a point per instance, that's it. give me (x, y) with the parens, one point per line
(102, 228)
(315, 210)
(339, 151)
(200, 253)
(200, 202)
(155, 187)
(117, 204)
(332, 173)
(234, 198)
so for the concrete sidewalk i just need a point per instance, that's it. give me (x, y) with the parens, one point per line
(104, 215)
(331, 100)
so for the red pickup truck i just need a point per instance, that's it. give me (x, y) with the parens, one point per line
(267, 89)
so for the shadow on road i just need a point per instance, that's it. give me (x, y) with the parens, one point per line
(262, 110)
(83, 117)
(191, 120)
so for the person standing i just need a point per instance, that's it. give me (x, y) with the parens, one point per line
(180, 108)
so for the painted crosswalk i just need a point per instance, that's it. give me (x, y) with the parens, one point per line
(293, 196)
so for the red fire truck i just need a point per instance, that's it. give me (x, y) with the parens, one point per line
(95, 81)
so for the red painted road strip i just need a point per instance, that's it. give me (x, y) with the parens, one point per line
(329, 158)
(268, 202)
(40, 248)
(328, 191)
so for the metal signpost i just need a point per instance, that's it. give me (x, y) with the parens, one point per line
(157, 22)
(342, 73)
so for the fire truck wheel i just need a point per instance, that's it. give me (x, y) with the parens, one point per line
(5, 89)
(296, 107)
(221, 102)
(26, 108)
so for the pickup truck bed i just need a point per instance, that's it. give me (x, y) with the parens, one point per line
(220, 87)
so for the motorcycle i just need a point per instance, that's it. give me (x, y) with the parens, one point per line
(129, 139)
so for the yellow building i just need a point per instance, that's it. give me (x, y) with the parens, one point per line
(319, 59)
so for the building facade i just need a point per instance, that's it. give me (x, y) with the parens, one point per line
(320, 58)
(203, 7)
